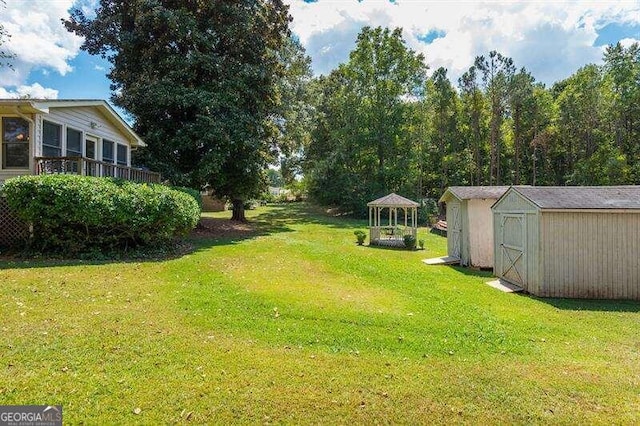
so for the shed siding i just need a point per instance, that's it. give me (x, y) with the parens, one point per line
(480, 232)
(533, 258)
(465, 250)
(513, 202)
(451, 204)
(591, 255)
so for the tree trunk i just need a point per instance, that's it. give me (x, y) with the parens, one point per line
(238, 210)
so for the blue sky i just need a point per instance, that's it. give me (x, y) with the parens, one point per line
(552, 39)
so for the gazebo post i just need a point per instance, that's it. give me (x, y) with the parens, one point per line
(405, 217)
(414, 222)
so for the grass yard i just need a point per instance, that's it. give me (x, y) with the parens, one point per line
(289, 321)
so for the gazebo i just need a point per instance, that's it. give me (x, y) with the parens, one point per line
(391, 233)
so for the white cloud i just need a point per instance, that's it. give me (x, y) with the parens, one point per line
(627, 42)
(38, 39)
(550, 39)
(35, 91)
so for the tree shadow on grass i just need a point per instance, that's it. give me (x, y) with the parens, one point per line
(210, 233)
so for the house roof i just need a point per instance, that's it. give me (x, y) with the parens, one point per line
(582, 197)
(473, 192)
(41, 106)
(392, 200)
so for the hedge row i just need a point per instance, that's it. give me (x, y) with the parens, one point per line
(72, 214)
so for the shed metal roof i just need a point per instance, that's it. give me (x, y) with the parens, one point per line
(582, 197)
(474, 192)
(392, 200)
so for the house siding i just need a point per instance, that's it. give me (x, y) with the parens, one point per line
(75, 117)
(80, 118)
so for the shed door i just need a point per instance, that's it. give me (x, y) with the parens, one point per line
(512, 248)
(454, 231)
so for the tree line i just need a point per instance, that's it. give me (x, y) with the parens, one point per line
(381, 125)
(220, 90)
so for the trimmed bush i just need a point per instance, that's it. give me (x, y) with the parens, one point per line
(73, 214)
(410, 242)
(193, 192)
(360, 236)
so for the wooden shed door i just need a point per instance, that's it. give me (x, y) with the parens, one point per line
(454, 231)
(512, 249)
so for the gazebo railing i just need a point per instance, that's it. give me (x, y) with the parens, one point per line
(391, 233)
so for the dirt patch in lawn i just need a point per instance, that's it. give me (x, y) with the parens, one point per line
(210, 227)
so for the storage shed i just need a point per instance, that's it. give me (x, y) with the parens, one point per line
(577, 242)
(470, 223)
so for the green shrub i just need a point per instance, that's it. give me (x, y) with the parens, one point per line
(409, 242)
(73, 214)
(360, 236)
(193, 192)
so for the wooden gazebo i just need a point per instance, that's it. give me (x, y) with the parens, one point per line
(391, 233)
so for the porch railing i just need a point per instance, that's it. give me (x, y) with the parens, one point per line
(88, 167)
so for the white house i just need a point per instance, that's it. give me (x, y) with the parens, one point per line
(67, 136)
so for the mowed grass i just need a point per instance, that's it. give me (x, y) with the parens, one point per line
(297, 324)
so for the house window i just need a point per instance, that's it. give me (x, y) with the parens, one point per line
(74, 143)
(51, 139)
(107, 151)
(15, 143)
(122, 155)
(90, 149)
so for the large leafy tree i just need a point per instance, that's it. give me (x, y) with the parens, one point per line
(199, 78)
(580, 103)
(362, 146)
(296, 108)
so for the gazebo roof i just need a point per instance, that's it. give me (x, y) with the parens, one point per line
(392, 200)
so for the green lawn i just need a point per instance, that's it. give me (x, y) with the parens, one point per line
(298, 324)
